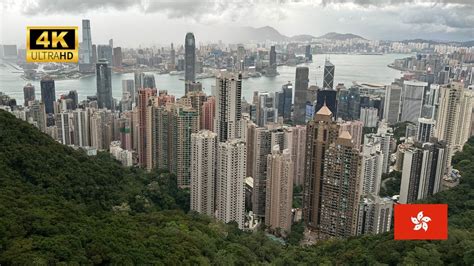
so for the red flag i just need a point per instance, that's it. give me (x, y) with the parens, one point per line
(421, 221)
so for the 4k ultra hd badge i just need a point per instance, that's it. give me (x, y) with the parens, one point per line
(52, 44)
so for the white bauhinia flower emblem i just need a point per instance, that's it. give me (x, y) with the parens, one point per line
(420, 221)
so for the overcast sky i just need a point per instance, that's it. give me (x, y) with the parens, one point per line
(147, 22)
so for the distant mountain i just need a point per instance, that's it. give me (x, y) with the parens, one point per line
(262, 34)
(340, 36)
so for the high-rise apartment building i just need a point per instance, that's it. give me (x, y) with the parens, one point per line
(320, 133)
(375, 215)
(279, 196)
(371, 168)
(145, 124)
(64, 128)
(340, 193)
(208, 114)
(451, 124)
(230, 196)
(203, 172)
(298, 153)
(228, 97)
(81, 127)
(423, 169)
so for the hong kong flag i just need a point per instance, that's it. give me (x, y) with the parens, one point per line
(421, 221)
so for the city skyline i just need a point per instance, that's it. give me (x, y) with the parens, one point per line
(377, 20)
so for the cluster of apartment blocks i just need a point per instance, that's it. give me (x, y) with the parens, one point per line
(213, 147)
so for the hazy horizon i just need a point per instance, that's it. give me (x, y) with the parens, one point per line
(133, 23)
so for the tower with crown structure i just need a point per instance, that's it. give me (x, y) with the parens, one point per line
(320, 133)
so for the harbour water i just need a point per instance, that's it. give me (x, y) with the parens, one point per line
(349, 68)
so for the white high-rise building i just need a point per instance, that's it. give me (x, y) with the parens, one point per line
(369, 116)
(412, 100)
(452, 125)
(64, 128)
(423, 169)
(203, 172)
(228, 93)
(298, 153)
(279, 196)
(230, 196)
(375, 215)
(372, 164)
(81, 127)
(384, 137)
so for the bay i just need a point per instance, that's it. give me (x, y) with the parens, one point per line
(349, 68)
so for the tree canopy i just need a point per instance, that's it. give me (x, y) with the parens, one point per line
(60, 206)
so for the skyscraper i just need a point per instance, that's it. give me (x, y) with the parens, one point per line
(301, 87)
(228, 106)
(117, 58)
(104, 84)
(326, 97)
(340, 193)
(272, 70)
(307, 54)
(392, 103)
(284, 99)
(144, 122)
(203, 175)
(348, 104)
(328, 80)
(279, 196)
(48, 94)
(412, 100)
(149, 81)
(189, 57)
(86, 63)
(28, 93)
(230, 197)
(105, 52)
(320, 133)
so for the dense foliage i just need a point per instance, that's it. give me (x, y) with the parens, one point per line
(59, 205)
(390, 184)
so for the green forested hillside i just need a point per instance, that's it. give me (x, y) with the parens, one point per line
(59, 205)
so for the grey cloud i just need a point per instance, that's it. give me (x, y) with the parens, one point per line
(383, 3)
